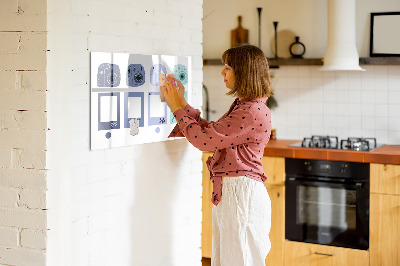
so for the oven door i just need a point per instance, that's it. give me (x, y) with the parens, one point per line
(327, 213)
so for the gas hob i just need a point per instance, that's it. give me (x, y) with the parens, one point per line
(332, 142)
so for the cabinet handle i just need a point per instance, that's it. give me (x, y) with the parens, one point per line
(324, 254)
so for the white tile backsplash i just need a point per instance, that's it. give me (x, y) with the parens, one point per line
(343, 103)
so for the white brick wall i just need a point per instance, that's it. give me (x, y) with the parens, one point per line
(23, 125)
(138, 205)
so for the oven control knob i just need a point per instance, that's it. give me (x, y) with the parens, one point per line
(308, 166)
(343, 168)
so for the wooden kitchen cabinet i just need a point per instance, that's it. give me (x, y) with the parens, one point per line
(385, 178)
(384, 215)
(277, 233)
(206, 225)
(274, 168)
(384, 236)
(305, 254)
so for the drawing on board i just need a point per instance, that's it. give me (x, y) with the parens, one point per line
(126, 104)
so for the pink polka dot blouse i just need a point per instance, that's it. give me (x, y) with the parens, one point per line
(238, 139)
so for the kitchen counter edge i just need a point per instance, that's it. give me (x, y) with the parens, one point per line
(386, 154)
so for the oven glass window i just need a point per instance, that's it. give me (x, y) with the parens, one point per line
(327, 207)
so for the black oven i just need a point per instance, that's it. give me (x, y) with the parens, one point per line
(327, 202)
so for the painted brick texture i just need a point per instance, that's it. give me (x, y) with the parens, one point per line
(23, 125)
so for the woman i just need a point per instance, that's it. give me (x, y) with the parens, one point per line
(242, 208)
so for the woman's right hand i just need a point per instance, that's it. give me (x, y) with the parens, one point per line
(181, 90)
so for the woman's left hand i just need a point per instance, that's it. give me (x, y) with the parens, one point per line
(170, 90)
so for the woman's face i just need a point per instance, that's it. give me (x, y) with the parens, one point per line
(229, 76)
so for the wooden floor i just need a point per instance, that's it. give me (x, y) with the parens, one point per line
(206, 261)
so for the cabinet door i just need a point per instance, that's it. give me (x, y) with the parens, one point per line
(206, 226)
(385, 178)
(277, 233)
(274, 168)
(304, 254)
(384, 230)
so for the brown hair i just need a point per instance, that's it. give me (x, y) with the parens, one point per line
(250, 66)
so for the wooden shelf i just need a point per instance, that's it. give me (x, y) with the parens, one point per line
(380, 61)
(274, 63)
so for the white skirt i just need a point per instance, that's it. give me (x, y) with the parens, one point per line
(241, 223)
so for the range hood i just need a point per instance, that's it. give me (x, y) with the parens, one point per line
(341, 51)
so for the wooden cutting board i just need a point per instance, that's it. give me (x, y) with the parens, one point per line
(239, 35)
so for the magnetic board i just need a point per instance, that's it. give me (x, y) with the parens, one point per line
(126, 106)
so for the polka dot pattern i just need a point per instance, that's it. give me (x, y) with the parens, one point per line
(238, 139)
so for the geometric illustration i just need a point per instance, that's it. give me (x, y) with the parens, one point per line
(108, 75)
(180, 72)
(132, 111)
(155, 72)
(136, 75)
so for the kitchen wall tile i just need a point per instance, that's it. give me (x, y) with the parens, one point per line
(342, 109)
(355, 109)
(367, 82)
(317, 108)
(354, 80)
(394, 82)
(380, 71)
(317, 121)
(329, 109)
(394, 97)
(380, 84)
(317, 95)
(342, 80)
(354, 122)
(316, 82)
(291, 71)
(368, 122)
(381, 97)
(355, 96)
(329, 122)
(329, 93)
(304, 82)
(328, 74)
(394, 137)
(355, 132)
(394, 71)
(304, 72)
(342, 96)
(317, 131)
(367, 133)
(367, 110)
(326, 101)
(382, 110)
(342, 133)
(394, 123)
(394, 110)
(315, 72)
(292, 82)
(381, 136)
(367, 96)
(293, 120)
(342, 122)
(381, 123)
(304, 109)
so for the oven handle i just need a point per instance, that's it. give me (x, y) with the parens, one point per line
(357, 185)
